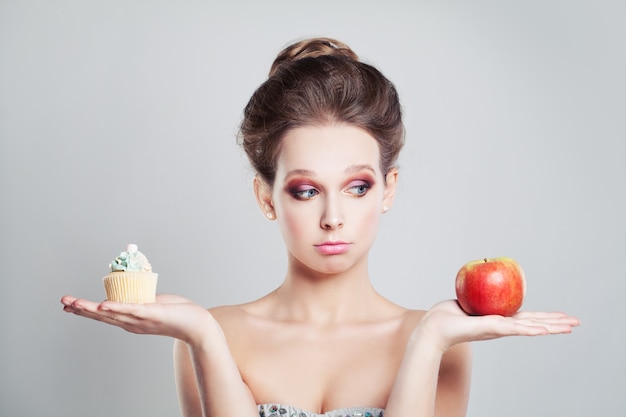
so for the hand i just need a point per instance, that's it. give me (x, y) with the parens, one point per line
(170, 315)
(449, 325)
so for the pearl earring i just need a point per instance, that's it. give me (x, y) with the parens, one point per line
(269, 215)
(385, 209)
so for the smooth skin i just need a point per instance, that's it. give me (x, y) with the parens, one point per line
(325, 339)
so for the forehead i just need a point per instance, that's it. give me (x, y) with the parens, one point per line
(328, 149)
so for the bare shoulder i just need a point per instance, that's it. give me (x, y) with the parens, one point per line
(231, 318)
(412, 317)
(228, 313)
(408, 319)
(238, 320)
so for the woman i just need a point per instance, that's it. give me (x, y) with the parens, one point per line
(323, 134)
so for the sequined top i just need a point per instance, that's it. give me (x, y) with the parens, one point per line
(278, 410)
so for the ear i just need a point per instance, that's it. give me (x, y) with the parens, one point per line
(263, 193)
(391, 184)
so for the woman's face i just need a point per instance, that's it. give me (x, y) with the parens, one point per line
(328, 195)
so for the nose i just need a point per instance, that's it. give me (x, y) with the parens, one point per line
(332, 217)
(331, 223)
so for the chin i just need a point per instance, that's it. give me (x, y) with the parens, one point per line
(336, 266)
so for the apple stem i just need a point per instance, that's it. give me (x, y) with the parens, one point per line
(485, 259)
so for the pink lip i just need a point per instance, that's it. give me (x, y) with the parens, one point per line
(332, 248)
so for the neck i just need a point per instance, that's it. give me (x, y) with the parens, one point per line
(325, 299)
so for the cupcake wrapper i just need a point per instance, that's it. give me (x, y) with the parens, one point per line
(131, 287)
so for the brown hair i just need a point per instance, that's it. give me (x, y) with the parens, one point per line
(316, 82)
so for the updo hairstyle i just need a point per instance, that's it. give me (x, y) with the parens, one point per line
(318, 82)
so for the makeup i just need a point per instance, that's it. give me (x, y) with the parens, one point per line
(333, 248)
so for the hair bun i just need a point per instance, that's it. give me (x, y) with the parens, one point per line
(312, 48)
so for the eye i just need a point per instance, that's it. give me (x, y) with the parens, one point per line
(304, 193)
(358, 188)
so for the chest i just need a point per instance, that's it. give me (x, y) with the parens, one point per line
(321, 370)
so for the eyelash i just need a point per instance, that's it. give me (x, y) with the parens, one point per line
(300, 194)
(365, 186)
(360, 190)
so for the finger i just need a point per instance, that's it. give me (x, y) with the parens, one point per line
(525, 329)
(67, 300)
(551, 317)
(562, 321)
(93, 310)
(76, 305)
(540, 327)
(123, 315)
(529, 314)
(537, 314)
(512, 326)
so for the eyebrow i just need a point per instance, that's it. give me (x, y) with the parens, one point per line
(349, 170)
(356, 168)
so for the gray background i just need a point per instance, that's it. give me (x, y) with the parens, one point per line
(118, 122)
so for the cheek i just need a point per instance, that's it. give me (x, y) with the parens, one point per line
(366, 208)
(363, 218)
(293, 222)
(372, 218)
(292, 226)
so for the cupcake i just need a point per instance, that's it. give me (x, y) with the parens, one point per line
(131, 279)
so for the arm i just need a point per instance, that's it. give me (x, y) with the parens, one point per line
(186, 384)
(208, 380)
(453, 385)
(434, 377)
(431, 382)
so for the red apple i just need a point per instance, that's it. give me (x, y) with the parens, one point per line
(491, 286)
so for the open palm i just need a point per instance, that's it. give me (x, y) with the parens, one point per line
(450, 325)
(170, 315)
